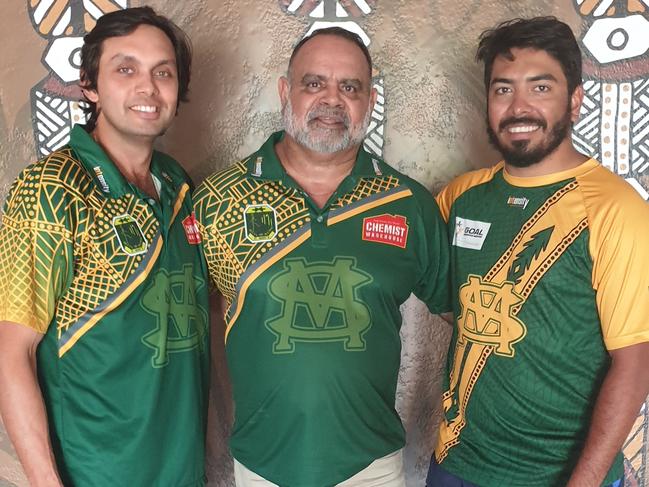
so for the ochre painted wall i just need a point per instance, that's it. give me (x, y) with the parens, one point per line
(430, 125)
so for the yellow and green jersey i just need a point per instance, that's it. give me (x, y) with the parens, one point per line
(313, 317)
(548, 274)
(116, 282)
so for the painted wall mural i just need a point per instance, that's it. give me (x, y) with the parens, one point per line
(614, 124)
(55, 100)
(614, 128)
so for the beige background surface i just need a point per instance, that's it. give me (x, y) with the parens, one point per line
(434, 106)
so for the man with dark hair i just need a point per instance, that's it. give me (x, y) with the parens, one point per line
(547, 363)
(315, 244)
(103, 295)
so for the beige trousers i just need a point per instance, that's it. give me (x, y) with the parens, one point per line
(384, 472)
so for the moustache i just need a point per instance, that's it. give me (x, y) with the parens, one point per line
(521, 121)
(336, 114)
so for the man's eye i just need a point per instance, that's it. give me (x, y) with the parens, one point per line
(125, 70)
(313, 84)
(501, 90)
(542, 88)
(349, 88)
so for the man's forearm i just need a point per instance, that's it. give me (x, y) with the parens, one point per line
(23, 411)
(624, 389)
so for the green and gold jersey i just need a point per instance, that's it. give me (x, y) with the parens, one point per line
(548, 274)
(313, 317)
(116, 282)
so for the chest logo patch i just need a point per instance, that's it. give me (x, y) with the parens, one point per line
(129, 235)
(470, 234)
(191, 229)
(487, 315)
(386, 229)
(260, 223)
(320, 303)
(518, 202)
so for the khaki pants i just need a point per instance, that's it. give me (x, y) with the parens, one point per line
(384, 472)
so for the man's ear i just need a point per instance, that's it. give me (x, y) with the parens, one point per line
(283, 88)
(575, 102)
(373, 95)
(91, 95)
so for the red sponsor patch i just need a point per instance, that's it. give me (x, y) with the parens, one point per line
(191, 229)
(387, 229)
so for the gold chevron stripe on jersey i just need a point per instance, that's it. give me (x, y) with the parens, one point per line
(488, 322)
(90, 319)
(234, 261)
(84, 323)
(366, 204)
(229, 253)
(47, 199)
(255, 270)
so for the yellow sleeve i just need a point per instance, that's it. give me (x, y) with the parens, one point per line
(36, 248)
(619, 246)
(461, 184)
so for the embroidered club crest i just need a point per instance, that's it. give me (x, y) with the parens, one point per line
(260, 223)
(129, 234)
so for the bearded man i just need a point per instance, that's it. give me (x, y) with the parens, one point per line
(314, 244)
(547, 364)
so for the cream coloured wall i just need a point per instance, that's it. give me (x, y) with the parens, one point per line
(433, 130)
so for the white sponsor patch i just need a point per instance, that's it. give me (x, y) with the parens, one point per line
(470, 234)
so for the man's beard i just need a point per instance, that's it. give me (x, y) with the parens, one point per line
(322, 139)
(518, 155)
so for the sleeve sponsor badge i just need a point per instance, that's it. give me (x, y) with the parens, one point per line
(386, 229)
(192, 232)
(129, 235)
(260, 223)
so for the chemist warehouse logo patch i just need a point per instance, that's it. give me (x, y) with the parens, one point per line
(386, 229)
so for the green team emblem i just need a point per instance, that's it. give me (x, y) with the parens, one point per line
(319, 304)
(129, 234)
(181, 321)
(260, 223)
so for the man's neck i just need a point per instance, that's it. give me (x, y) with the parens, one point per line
(317, 173)
(131, 155)
(564, 158)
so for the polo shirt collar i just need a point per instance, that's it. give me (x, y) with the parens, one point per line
(265, 164)
(105, 173)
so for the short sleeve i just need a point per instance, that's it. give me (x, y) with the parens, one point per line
(36, 248)
(207, 205)
(433, 287)
(619, 248)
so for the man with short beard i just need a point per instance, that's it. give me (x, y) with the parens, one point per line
(314, 244)
(547, 363)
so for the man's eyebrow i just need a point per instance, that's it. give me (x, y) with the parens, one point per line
(501, 80)
(132, 59)
(539, 77)
(310, 77)
(542, 77)
(352, 81)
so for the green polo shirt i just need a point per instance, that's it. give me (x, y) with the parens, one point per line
(313, 317)
(115, 281)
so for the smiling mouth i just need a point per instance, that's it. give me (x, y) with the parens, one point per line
(522, 129)
(144, 108)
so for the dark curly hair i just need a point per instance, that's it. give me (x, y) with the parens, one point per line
(547, 34)
(121, 23)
